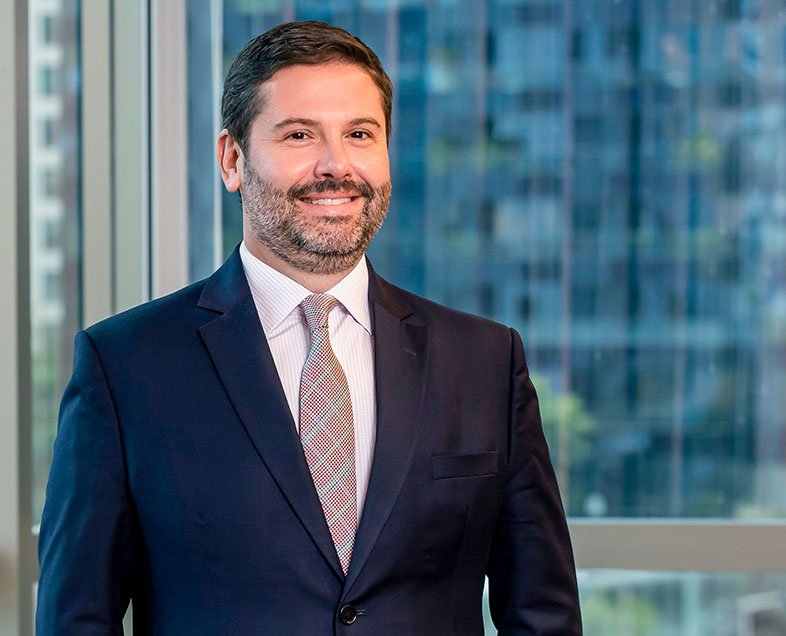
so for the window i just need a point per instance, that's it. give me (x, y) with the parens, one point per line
(55, 299)
(47, 28)
(47, 80)
(619, 192)
(47, 132)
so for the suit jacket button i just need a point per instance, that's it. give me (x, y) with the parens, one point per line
(348, 614)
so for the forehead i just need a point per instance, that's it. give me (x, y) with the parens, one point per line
(331, 90)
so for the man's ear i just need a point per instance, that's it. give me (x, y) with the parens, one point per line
(230, 159)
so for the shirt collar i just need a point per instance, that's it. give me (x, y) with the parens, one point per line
(276, 295)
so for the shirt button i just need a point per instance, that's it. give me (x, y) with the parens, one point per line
(348, 614)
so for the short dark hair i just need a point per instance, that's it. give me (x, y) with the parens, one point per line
(286, 45)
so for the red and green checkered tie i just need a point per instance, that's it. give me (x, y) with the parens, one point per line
(326, 428)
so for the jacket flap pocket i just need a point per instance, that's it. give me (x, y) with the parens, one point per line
(464, 465)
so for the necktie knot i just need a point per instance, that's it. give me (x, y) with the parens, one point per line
(316, 308)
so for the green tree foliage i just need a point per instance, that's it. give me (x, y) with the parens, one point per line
(567, 425)
(619, 614)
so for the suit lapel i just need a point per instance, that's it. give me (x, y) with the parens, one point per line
(400, 363)
(240, 353)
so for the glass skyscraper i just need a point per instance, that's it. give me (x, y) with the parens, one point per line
(606, 178)
(609, 177)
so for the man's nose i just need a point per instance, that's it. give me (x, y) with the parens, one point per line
(333, 161)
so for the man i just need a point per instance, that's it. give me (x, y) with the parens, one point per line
(295, 446)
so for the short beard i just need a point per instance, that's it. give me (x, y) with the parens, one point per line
(326, 245)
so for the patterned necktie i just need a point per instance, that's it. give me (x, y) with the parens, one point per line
(326, 428)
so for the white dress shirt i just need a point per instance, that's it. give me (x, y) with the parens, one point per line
(277, 299)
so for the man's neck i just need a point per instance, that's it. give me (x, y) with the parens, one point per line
(316, 283)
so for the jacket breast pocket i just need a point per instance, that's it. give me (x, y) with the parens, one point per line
(464, 465)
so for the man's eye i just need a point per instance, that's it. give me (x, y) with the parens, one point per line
(298, 135)
(360, 134)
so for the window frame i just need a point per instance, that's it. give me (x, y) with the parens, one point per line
(17, 542)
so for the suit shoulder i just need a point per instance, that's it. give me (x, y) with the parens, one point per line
(172, 311)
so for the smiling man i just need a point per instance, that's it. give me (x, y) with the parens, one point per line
(315, 188)
(295, 446)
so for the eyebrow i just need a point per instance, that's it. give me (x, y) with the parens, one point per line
(295, 120)
(312, 122)
(365, 120)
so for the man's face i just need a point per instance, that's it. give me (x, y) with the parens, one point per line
(315, 181)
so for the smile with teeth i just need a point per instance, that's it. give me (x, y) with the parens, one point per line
(329, 201)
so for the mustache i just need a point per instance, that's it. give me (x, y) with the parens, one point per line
(355, 188)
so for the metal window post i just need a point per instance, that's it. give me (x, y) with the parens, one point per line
(17, 544)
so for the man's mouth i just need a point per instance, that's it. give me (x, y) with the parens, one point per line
(328, 201)
(330, 192)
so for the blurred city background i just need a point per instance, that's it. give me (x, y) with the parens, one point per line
(606, 176)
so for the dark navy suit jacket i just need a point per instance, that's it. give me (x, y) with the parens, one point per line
(178, 480)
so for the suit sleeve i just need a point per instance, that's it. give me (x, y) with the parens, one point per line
(85, 545)
(532, 576)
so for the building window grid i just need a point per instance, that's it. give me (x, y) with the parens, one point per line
(680, 306)
(662, 274)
